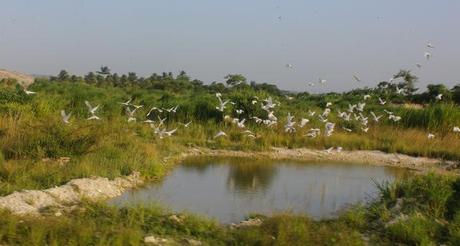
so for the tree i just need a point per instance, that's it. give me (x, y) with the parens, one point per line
(132, 77)
(63, 75)
(456, 93)
(409, 80)
(183, 76)
(235, 79)
(90, 78)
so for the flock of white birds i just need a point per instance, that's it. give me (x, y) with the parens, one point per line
(354, 113)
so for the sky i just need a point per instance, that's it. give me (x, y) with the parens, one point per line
(209, 39)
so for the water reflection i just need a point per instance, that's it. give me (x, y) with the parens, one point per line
(230, 189)
(250, 178)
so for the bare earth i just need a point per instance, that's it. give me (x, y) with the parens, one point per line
(24, 79)
(33, 202)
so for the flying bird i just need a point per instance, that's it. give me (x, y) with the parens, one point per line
(220, 134)
(356, 78)
(65, 117)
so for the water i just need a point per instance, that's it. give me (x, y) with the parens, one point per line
(231, 189)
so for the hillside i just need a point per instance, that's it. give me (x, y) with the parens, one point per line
(23, 79)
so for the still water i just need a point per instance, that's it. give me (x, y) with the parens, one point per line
(231, 189)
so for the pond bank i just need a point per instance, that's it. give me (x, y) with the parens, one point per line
(371, 157)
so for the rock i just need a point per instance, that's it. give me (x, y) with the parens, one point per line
(247, 223)
(152, 240)
(97, 188)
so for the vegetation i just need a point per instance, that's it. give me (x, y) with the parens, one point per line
(419, 211)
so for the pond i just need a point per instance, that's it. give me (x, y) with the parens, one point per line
(231, 189)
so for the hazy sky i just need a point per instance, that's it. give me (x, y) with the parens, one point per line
(211, 38)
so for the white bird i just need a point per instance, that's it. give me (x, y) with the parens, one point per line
(154, 108)
(430, 45)
(430, 136)
(161, 121)
(186, 125)
(339, 149)
(428, 55)
(93, 117)
(351, 108)
(329, 128)
(322, 119)
(29, 92)
(328, 104)
(401, 91)
(381, 101)
(239, 111)
(313, 132)
(290, 66)
(254, 102)
(163, 133)
(127, 103)
(360, 107)
(149, 121)
(222, 104)
(138, 106)
(322, 81)
(311, 113)
(272, 117)
(326, 112)
(172, 109)
(257, 119)
(130, 114)
(269, 104)
(220, 134)
(289, 126)
(456, 129)
(367, 97)
(439, 97)
(347, 129)
(303, 122)
(356, 78)
(329, 150)
(394, 117)
(376, 118)
(311, 84)
(240, 123)
(91, 109)
(365, 129)
(418, 65)
(65, 117)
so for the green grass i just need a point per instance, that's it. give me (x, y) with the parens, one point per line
(33, 138)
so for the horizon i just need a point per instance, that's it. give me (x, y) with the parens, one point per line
(330, 40)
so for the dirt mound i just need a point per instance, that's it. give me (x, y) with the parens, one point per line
(24, 79)
(97, 188)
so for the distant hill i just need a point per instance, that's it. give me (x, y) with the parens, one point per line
(24, 79)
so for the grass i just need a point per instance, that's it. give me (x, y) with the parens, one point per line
(421, 210)
(33, 138)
